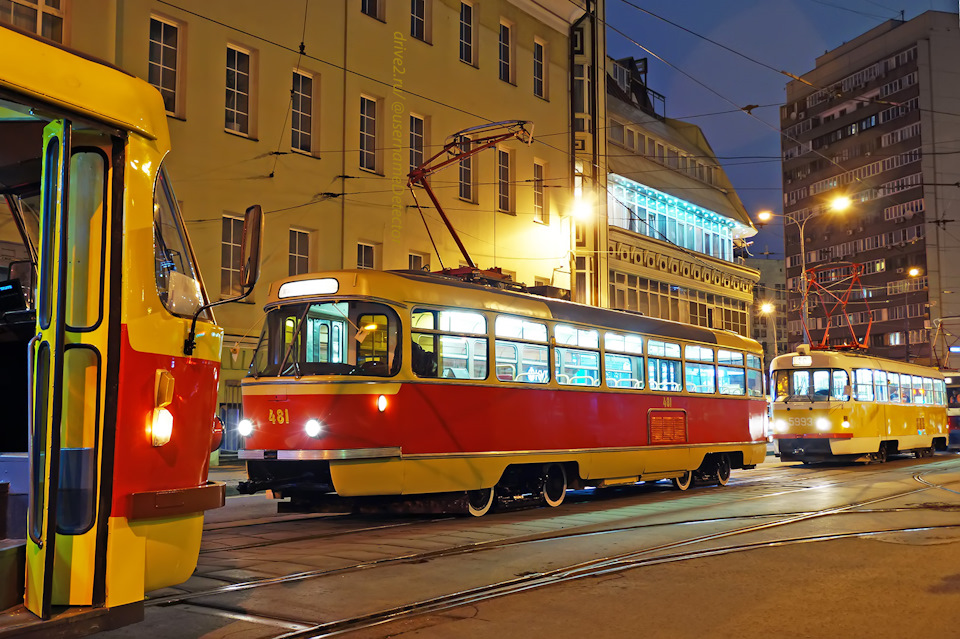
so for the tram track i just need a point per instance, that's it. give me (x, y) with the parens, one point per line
(650, 555)
(821, 483)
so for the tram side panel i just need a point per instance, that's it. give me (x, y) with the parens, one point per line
(456, 437)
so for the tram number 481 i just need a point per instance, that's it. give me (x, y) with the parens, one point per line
(279, 416)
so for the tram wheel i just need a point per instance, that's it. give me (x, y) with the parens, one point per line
(554, 485)
(479, 501)
(923, 452)
(723, 470)
(683, 481)
(881, 455)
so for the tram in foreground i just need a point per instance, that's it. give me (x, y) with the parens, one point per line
(109, 419)
(831, 405)
(369, 383)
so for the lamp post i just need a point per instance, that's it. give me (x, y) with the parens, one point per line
(768, 309)
(913, 272)
(838, 204)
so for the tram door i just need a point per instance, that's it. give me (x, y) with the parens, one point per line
(66, 530)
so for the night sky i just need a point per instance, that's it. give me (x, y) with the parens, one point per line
(784, 34)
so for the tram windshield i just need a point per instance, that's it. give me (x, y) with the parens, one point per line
(812, 385)
(332, 338)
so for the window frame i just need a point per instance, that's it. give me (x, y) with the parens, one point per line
(541, 64)
(295, 258)
(178, 83)
(468, 28)
(232, 269)
(294, 111)
(369, 158)
(250, 94)
(506, 53)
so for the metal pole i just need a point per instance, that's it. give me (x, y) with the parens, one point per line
(773, 320)
(803, 282)
(906, 321)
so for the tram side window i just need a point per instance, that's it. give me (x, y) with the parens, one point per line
(754, 383)
(754, 361)
(880, 386)
(841, 385)
(893, 387)
(782, 385)
(939, 389)
(864, 381)
(731, 380)
(664, 374)
(449, 344)
(928, 391)
(623, 360)
(918, 397)
(700, 378)
(577, 366)
(906, 390)
(526, 361)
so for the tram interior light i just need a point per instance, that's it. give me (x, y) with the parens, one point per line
(313, 428)
(245, 427)
(823, 423)
(162, 427)
(382, 403)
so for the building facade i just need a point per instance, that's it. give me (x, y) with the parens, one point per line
(876, 121)
(770, 326)
(673, 216)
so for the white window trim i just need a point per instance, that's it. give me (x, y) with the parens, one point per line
(376, 135)
(545, 69)
(511, 52)
(315, 83)
(474, 57)
(251, 131)
(179, 97)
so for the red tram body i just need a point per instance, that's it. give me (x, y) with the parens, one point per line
(328, 415)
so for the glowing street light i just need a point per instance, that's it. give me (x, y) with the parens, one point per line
(913, 272)
(838, 204)
(768, 309)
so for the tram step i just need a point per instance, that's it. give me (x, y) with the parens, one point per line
(12, 566)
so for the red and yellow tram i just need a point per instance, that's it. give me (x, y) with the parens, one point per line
(369, 383)
(111, 421)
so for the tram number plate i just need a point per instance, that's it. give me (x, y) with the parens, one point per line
(668, 427)
(279, 416)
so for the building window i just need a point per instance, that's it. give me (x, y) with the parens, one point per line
(506, 42)
(418, 19)
(299, 252)
(365, 253)
(43, 18)
(539, 209)
(238, 91)
(372, 8)
(504, 185)
(418, 262)
(539, 74)
(466, 174)
(164, 61)
(301, 107)
(368, 133)
(416, 141)
(467, 29)
(230, 256)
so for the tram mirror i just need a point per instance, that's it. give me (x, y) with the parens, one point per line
(250, 247)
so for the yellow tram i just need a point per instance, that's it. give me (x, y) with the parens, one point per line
(832, 405)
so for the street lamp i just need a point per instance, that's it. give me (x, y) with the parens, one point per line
(838, 204)
(768, 309)
(913, 272)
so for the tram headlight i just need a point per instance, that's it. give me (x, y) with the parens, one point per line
(845, 423)
(780, 426)
(382, 403)
(162, 427)
(313, 427)
(245, 427)
(823, 423)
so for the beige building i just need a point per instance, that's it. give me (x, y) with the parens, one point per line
(770, 328)
(318, 111)
(673, 217)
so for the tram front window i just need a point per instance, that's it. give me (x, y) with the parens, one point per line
(333, 338)
(811, 385)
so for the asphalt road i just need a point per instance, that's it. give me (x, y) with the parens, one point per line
(782, 551)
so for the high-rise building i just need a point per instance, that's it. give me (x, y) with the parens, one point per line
(876, 121)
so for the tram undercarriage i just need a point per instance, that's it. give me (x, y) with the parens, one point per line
(307, 486)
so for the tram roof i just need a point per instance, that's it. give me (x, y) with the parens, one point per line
(411, 287)
(70, 80)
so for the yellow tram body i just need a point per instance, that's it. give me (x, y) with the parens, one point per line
(830, 405)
